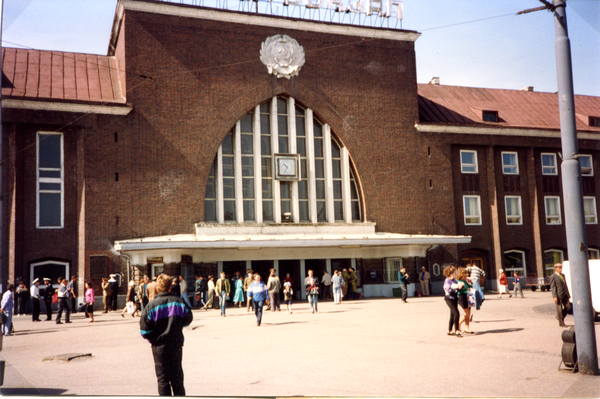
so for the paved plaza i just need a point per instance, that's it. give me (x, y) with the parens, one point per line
(369, 347)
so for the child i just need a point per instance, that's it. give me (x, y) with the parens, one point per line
(517, 287)
(287, 296)
(89, 301)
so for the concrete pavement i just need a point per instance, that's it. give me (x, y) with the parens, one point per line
(374, 347)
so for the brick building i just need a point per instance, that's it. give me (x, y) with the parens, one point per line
(180, 152)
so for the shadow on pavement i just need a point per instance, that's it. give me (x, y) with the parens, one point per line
(491, 321)
(500, 331)
(32, 391)
(30, 332)
(287, 322)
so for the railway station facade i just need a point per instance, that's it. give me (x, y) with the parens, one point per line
(209, 140)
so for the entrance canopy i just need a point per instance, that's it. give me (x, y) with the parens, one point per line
(232, 242)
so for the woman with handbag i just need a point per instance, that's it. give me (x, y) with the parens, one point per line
(90, 298)
(130, 307)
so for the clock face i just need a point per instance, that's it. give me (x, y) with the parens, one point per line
(287, 167)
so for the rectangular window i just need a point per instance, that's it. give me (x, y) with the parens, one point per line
(589, 209)
(510, 163)
(552, 205)
(50, 180)
(513, 210)
(490, 116)
(393, 266)
(549, 164)
(586, 165)
(594, 121)
(468, 161)
(472, 209)
(593, 253)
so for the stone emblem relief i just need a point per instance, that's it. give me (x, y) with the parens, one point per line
(282, 55)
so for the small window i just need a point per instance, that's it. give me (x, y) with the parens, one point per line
(551, 257)
(50, 180)
(468, 161)
(490, 116)
(472, 209)
(552, 205)
(510, 163)
(549, 164)
(586, 165)
(514, 261)
(594, 121)
(589, 209)
(593, 253)
(513, 210)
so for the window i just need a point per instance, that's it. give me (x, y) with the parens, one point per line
(589, 210)
(393, 266)
(594, 121)
(50, 180)
(551, 257)
(552, 205)
(514, 261)
(549, 164)
(513, 210)
(593, 253)
(49, 269)
(586, 165)
(490, 116)
(510, 164)
(472, 209)
(242, 186)
(468, 161)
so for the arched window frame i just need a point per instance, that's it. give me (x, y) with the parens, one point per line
(283, 129)
(521, 271)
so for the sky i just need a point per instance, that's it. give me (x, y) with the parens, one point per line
(474, 43)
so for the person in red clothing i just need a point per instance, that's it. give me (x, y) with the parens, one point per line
(503, 284)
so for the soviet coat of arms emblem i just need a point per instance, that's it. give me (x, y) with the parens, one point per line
(282, 55)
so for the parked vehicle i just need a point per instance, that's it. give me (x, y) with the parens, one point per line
(594, 267)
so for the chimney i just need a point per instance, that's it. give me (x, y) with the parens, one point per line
(435, 81)
(527, 88)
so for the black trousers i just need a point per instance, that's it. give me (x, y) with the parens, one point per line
(113, 300)
(169, 373)
(563, 307)
(35, 302)
(454, 314)
(74, 305)
(48, 309)
(63, 304)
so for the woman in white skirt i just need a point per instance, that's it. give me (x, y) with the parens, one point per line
(503, 284)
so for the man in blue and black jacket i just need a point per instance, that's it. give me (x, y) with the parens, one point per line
(161, 324)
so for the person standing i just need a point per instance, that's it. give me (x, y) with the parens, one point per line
(336, 282)
(48, 294)
(7, 308)
(560, 294)
(274, 286)
(106, 294)
(463, 298)
(114, 286)
(476, 274)
(143, 292)
(130, 298)
(517, 285)
(451, 298)
(353, 283)
(403, 279)
(346, 285)
(247, 281)
(183, 287)
(326, 281)
(22, 298)
(200, 292)
(223, 288)
(90, 298)
(63, 302)
(72, 289)
(211, 293)
(35, 300)
(259, 293)
(239, 292)
(288, 293)
(151, 289)
(424, 279)
(503, 285)
(311, 285)
(162, 325)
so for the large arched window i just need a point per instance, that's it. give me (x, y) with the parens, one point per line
(280, 162)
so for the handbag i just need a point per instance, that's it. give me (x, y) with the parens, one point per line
(55, 297)
(130, 308)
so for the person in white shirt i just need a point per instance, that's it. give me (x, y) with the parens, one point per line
(63, 302)
(183, 288)
(35, 300)
(326, 281)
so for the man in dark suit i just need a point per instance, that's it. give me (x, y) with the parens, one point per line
(560, 294)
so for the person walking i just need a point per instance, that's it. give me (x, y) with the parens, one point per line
(463, 298)
(403, 279)
(142, 292)
(311, 285)
(424, 279)
(200, 292)
(288, 294)
(274, 286)
(247, 281)
(22, 298)
(326, 282)
(162, 325)
(560, 294)
(72, 289)
(35, 300)
(476, 275)
(48, 294)
(239, 292)
(259, 293)
(90, 298)
(130, 300)
(7, 308)
(503, 284)
(223, 288)
(211, 293)
(63, 302)
(517, 285)
(336, 284)
(151, 290)
(451, 298)
(183, 286)
(175, 289)
(106, 293)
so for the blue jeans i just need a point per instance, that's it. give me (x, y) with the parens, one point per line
(337, 294)
(313, 299)
(186, 299)
(258, 309)
(223, 302)
(6, 326)
(478, 294)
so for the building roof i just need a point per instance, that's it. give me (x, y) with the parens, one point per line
(516, 109)
(58, 76)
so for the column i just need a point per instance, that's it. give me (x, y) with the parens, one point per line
(328, 173)
(257, 165)
(494, 214)
(310, 166)
(237, 173)
(302, 276)
(538, 255)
